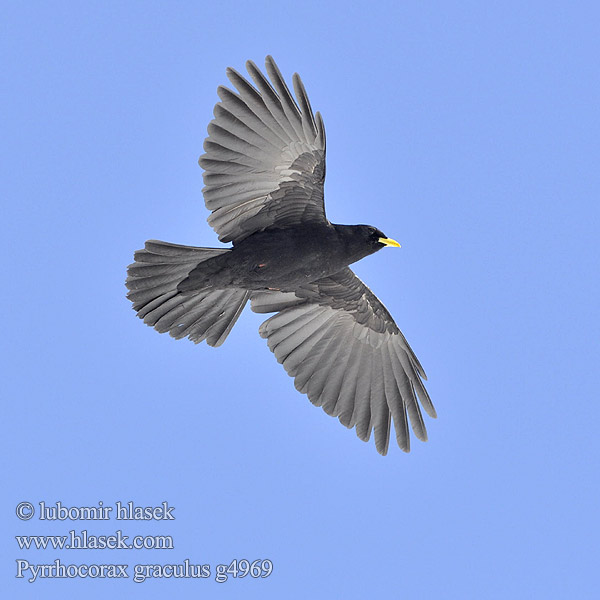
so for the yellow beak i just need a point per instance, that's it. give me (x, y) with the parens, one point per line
(389, 242)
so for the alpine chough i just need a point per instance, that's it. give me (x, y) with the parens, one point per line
(264, 172)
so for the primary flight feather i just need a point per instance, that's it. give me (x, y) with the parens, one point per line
(264, 171)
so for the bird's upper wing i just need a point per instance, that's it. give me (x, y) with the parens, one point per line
(265, 156)
(346, 353)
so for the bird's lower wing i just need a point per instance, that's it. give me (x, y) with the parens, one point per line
(343, 349)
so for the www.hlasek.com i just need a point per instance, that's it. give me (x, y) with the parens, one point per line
(83, 540)
(236, 569)
(86, 541)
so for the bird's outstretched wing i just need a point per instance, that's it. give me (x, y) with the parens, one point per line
(265, 156)
(347, 354)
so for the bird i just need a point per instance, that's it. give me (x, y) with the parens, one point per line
(264, 174)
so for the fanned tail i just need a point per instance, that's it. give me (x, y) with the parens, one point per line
(152, 281)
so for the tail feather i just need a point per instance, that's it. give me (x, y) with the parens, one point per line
(152, 281)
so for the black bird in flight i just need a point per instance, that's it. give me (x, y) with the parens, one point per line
(264, 171)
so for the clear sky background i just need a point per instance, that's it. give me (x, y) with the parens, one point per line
(469, 132)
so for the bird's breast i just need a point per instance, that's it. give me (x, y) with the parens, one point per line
(284, 260)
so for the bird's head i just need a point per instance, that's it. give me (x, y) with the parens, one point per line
(375, 238)
(362, 240)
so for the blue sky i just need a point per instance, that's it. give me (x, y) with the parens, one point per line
(468, 132)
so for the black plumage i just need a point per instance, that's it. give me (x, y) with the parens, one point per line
(264, 171)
